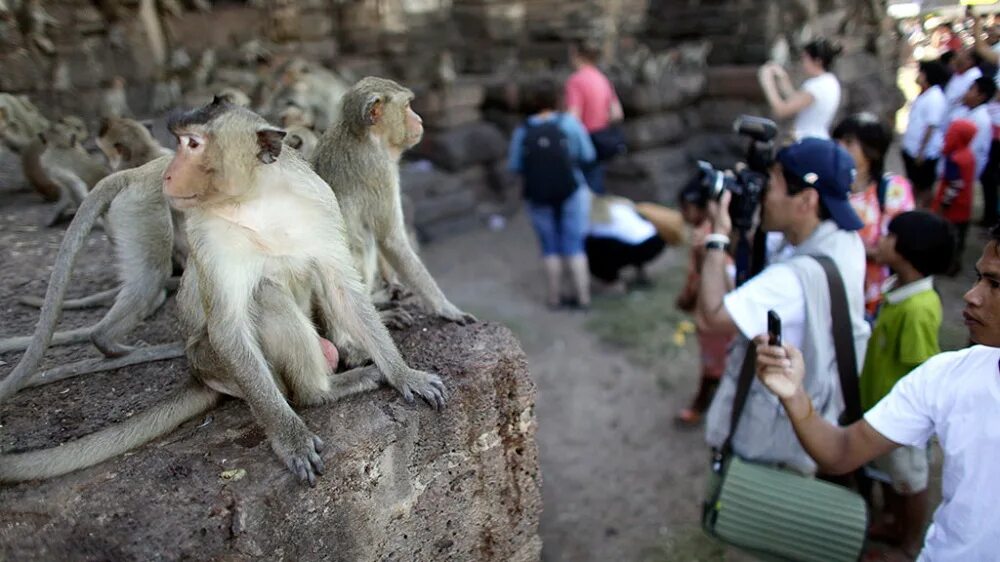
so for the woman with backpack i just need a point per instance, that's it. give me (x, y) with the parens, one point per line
(548, 150)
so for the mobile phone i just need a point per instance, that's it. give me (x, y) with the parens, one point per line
(773, 328)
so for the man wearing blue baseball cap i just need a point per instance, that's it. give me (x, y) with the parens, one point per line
(807, 202)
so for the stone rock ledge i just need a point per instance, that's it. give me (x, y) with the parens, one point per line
(402, 482)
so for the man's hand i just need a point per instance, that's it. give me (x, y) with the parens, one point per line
(781, 369)
(718, 214)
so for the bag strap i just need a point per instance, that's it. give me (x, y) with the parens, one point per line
(843, 342)
(742, 392)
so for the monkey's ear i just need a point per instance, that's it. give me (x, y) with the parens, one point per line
(373, 109)
(269, 141)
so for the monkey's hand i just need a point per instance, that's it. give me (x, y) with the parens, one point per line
(425, 385)
(454, 314)
(397, 317)
(299, 449)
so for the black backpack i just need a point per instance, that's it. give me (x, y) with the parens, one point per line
(548, 170)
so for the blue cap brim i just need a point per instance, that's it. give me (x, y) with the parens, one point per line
(843, 213)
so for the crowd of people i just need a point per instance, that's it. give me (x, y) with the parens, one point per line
(886, 232)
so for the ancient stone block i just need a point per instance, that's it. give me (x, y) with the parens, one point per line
(733, 81)
(462, 147)
(654, 130)
(655, 175)
(403, 482)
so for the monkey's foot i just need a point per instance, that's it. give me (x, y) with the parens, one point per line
(110, 348)
(452, 313)
(397, 317)
(425, 385)
(299, 449)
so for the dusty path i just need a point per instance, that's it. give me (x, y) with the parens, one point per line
(620, 482)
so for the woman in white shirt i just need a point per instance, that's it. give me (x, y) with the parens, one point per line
(923, 139)
(816, 103)
(619, 237)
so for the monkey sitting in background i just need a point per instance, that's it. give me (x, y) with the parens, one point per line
(68, 164)
(359, 158)
(145, 235)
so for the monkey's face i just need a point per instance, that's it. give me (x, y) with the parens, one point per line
(413, 125)
(186, 178)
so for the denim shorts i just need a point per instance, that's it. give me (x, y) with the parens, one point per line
(561, 231)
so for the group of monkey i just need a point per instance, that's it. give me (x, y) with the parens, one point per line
(283, 261)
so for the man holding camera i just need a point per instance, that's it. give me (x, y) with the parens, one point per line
(806, 200)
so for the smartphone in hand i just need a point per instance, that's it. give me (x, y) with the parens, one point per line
(773, 328)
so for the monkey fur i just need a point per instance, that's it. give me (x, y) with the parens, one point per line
(268, 252)
(359, 158)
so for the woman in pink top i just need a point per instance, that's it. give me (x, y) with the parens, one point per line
(591, 98)
(877, 197)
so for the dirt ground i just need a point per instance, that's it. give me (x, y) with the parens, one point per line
(621, 481)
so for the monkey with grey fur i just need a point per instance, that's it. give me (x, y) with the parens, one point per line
(359, 158)
(69, 165)
(143, 232)
(268, 250)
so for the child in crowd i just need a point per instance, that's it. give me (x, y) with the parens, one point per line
(876, 196)
(918, 245)
(954, 195)
(714, 345)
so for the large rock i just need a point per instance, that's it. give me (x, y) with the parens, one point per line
(655, 175)
(654, 130)
(403, 482)
(462, 147)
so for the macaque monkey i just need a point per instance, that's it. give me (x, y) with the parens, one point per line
(298, 122)
(127, 144)
(359, 158)
(20, 124)
(69, 165)
(114, 101)
(268, 251)
(136, 207)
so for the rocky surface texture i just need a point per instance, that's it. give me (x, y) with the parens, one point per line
(403, 482)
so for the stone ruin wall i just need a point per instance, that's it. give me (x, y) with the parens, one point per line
(683, 68)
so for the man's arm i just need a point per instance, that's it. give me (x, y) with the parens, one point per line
(713, 286)
(837, 450)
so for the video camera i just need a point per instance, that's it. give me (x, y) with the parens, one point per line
(746, 184)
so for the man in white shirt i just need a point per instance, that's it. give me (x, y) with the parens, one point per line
(806, 201)
(954, 395)
(964, 73)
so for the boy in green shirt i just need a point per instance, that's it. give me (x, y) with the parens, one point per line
(918, 245)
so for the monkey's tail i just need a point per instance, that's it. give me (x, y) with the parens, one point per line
(110, 442)
(92, 207)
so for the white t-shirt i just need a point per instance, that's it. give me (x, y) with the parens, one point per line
(778, 288)
(955, 396)
(956, 88)
(815, 120)
(980, 115)
(626, 225)
(928, 110)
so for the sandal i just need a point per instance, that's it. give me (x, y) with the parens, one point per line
(688, 417)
